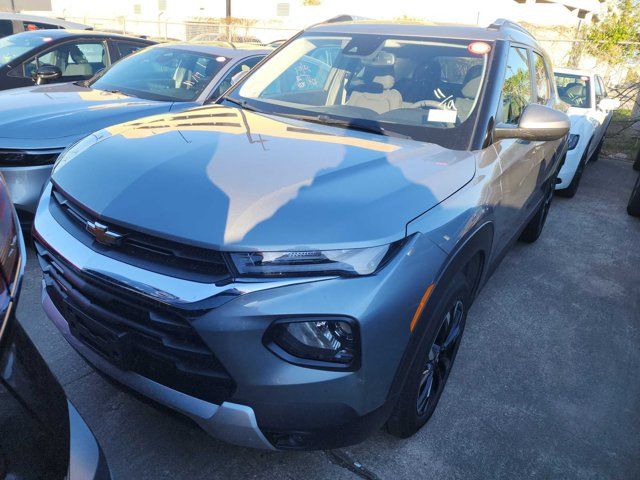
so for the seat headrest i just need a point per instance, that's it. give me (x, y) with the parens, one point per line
(431, 72)
(367, 87)
(473, 72)
(576, 89)
(387, 81)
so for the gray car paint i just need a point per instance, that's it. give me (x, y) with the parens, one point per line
(262, 182)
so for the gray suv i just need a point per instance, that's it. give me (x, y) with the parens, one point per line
(292, 266)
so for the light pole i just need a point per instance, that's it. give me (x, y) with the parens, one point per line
(228, 11)
(13, 5)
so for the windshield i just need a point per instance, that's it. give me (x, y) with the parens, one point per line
(574, 89)
(164, 74)
(17, 45)
(426, 90)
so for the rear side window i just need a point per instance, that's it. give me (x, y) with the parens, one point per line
(543, 85)
(6, 28)
(516, 91)
(599, 90)
(125, 49)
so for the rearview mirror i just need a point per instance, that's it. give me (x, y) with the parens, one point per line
(537, 123)
(608, 104)
(46, 74)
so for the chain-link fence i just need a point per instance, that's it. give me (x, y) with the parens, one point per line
(190, 30)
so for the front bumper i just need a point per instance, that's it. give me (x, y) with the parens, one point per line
(275, 404)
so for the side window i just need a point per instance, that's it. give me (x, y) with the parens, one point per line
(73, 59)
(543, 85)
(32, 26)
(125, 49)
(245, 65)
(599, 91)
(6, 28)
(516, 91)
(604, 89)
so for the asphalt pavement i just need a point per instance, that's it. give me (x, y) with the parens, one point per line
(546, 383)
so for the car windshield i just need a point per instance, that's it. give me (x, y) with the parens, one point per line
(15, 46)
(164, 74)
(426, 90)
(574, 89)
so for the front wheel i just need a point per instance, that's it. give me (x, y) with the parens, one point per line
(633, 207)
(432, 364)
(571, 190)
(533, 230)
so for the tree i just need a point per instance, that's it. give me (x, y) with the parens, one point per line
(615, 41)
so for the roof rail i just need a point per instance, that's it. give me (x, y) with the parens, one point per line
(345, 18)
(503, 23)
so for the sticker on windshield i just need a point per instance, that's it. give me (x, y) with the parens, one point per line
(445, 116)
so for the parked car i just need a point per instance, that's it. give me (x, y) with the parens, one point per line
(56, 56)
(11, 23)
(292, 267)
(590, 113)
(37, 123)
(633, 207)
(43, 435)
(230, 38)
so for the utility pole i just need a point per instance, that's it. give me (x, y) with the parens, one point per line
(228, 9)
(13, 5)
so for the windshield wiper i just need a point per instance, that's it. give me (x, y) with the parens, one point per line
(118, 92)
(349, 124)
(243, 104)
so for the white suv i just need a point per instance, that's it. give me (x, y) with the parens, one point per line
(590, 113)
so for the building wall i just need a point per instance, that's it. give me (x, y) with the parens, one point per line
(29, 5)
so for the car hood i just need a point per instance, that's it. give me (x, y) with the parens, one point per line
(230, 179)
(58, 112)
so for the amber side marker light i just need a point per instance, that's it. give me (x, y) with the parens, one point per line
(479, 48)
(421, 305)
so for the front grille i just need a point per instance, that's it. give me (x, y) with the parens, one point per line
(136, 333)
(139, 249)
(28, 158)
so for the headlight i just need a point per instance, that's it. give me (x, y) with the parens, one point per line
(78, 147)
(573, 141)
(350, 262)
(320, 343)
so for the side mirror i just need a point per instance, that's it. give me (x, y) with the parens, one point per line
(537, 123)
(608, 104)
(238, 76)
(46, 74)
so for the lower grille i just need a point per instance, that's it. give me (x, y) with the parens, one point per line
(28, 158)
(135, 333)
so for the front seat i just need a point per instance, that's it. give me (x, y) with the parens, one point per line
(80, 67)
(422, 86)
(574, 94)
(377, 95)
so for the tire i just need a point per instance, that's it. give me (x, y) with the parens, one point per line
(433, 361)
(596, 153)
(636, 164)
(571, 190)
(633, 207)
(534, 228)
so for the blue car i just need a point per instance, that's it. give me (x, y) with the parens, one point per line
(293, 266)
(37, 123)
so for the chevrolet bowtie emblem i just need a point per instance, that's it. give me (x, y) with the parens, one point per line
(103, 235)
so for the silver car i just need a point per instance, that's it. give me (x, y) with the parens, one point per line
(37, 123)
(293, 266)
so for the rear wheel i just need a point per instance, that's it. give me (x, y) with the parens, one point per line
(633, 207)
(532, 231)
(432, 364)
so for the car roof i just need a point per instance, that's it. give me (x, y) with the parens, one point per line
(574, 71)
(499, 30)
(40, 19)
(70, 33)
(224, 49)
